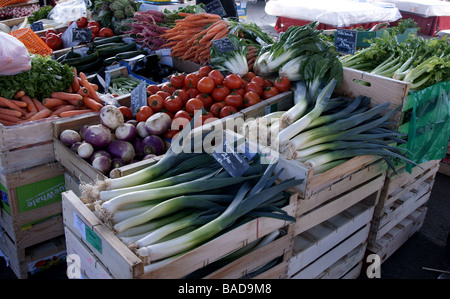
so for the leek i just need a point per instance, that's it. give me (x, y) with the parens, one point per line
(233, 61)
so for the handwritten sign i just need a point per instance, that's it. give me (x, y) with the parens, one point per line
(224, 45)
(345, 41)
(82, 35)
(37, 26)
(67, 36)
(230, 160)
(138, 98)
(215, 7)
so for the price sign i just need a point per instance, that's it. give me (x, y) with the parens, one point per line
(67, 36)
(231, 161)
(37, 26)
(82, 35)
(345, 41)
(224, 45)
(215, 7)
(138, 98)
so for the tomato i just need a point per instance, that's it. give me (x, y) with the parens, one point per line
(126, 112)
(210, 120)
(193, 105)
(94, 23)
(206, 116)
(227, 111)
(50, 31)
(233, 81)
(216, 107)
(253, 86)
(170, 114)
(204, 71)
(251, 98)
(259, 80)
(54, 42)
(205, 85)
(82, 22)
(193, 92)
(163, 94)
(168, 87)
(170, 134)
(239, 91)
(177, 80)
(93, 36)
(217, 76)
(153, 89)
(250, 76)
(182, 94)
(156, 102)
(173, 103)
(180, 120)
(144, 113)
(220, 93)
(182, 114)
(95, 29)
(206, 99)
(234, 100)
(44, 39)
(282, 84)
(270, 92)
(267, 83)
(191, 80)
(106, 32)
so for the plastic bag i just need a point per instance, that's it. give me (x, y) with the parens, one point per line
(64, 12)
(14, 56)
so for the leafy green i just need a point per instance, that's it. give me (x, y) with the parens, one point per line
(40, 14)
(45, 76)
(234, 61)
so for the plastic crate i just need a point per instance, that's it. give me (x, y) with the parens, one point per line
(32, 41)
(4, 3)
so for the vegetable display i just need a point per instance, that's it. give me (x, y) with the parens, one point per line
(114, 14)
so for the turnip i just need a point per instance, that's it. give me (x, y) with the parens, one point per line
(75, 146)
(117, 162)
(141, 130)
(69, 137)
(153, 144)
(111, 117)
(126, 132)
(158, 123)
(98, 135)
(121, 149)
(102, 164)
(85, 150)
(99, 153)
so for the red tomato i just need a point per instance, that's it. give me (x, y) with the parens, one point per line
(239, 91)
(227, 111)
(193, 105)
(216, 107)
(234, 100)
(173, 103)
(253, 86)
(205, 85)
(182, 94)
(126, 112)
(193, 92)
(144, 113)
(259, 80)
(182, 114)
(163, 94)
(233, 81)
(270, 92)
(106, 32)
(94, 23)
(206, 116)
(153, 89)
(206, 99)
(168, 87)
(217, 76)
(220, 93)
(50, 31)
(191, 80)
(282, 84)
(95, 29)
(267, 83)
(251, 98)
(177, 80)
(82, 22)
(156, 102)
(170, 134)
(180, 120)
(54, 42)
(204, 71)
(250, 76)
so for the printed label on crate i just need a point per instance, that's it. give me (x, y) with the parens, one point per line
(345, 41)
(230, 160)
(4, 203)
(87, 233)
(47, 262)
(40, 193)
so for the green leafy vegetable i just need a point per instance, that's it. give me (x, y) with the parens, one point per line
(234, 61)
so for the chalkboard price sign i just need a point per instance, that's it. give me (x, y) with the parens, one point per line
(224, 45)
(82, 35)
(345, 41)
(230, 160)
(37, 26)
(215, 7)
(138, 98)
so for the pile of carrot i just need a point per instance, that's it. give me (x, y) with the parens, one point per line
(81, 98)
(192, 36)
(251, 56)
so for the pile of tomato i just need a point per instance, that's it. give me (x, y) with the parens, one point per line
(209, 90)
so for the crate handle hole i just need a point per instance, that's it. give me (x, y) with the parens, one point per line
(362, 82)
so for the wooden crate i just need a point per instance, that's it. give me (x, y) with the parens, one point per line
(31, 204)
(402, 194)
(121, 262)
(334, 247)
(33, 259)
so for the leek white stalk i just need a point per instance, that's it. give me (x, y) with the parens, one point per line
(298, 110)
(291, 69)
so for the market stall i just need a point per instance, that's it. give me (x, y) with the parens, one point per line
(185, 145)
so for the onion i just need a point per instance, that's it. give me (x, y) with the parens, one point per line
(153, 144)
(125, 132)
(85, 150)
(111, 117)
(158, 123)
(102, 164)
(121, 149)
(69, 137)
(98, 135)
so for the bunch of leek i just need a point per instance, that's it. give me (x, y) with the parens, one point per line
(234, 60)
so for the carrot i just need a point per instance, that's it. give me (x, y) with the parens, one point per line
(38, 104)
(19, 103)
(19, 94)
(63, 108)
(82, 76)
(11, 112)
(7, 123)
(52, 102)
(76, 103)
(184, 14)
(75, 83)
(27, 116)
(66, 96)
(75, 112)
(12, 105)
(41, 114)
(83, 91)
(9, 118)
(94, 86)
(92, 93)
(30, 105)
(92, 104)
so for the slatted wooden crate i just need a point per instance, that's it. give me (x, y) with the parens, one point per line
(403, 193)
